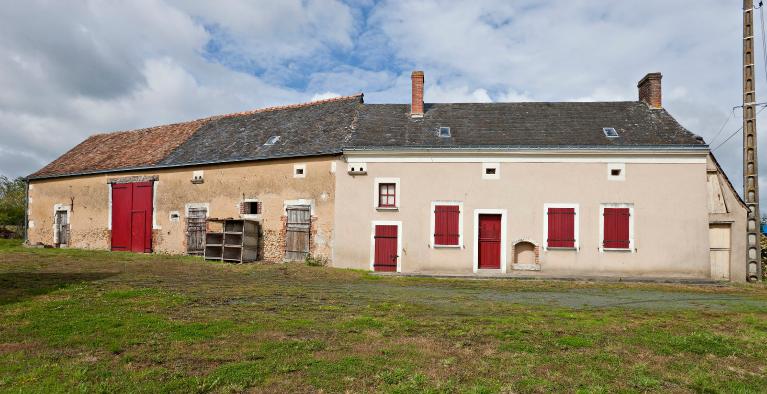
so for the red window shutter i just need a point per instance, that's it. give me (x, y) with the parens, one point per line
(561, 228)
(446, 225)
(616, 228)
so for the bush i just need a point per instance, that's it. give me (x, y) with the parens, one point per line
(316, 261)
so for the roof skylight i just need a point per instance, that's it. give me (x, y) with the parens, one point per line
(272, 140)
(444, 132)
(610, 132)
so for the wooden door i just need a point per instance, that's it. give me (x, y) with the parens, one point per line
(137, 231)
(62, 228)
(489, 241)
(385, 257)
(132, 217)
(196, 225)
(719, 242)
(297, 237)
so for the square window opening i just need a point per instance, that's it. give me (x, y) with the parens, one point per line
(444, 132)
(490, 171)
(251, 208)
(615, 172)
(387, 195)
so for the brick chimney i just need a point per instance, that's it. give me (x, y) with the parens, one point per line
(649, 90)
(416, 107)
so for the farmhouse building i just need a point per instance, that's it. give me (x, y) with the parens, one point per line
(568, 188)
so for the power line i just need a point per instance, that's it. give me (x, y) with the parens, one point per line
(732, 113)
(735, 132)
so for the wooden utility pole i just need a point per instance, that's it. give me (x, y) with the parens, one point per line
(750, 164)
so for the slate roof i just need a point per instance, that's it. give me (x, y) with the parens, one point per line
(345, 123)
(518, 125)
(305, 130)
(319, 127)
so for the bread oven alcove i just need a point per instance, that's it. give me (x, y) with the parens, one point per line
(526, 255)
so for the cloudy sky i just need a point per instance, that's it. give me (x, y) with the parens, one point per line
(69, 69)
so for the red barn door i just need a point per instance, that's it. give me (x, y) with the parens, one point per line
(385, 258)
(132, 217)
(490, 241)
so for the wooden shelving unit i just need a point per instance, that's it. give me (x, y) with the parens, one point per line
(234, 240)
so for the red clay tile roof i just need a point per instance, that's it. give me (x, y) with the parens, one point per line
(141, 148)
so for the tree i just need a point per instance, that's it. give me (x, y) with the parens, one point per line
(12, 198)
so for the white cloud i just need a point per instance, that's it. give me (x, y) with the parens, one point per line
(70, 69)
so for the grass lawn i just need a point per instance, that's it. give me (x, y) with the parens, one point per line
(74, 320)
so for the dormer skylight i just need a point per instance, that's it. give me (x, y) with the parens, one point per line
(444, 132)
(272, 140)
(610, 132)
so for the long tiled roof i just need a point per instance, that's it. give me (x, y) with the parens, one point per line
(509, 125)
(319, 127)
(345, 123)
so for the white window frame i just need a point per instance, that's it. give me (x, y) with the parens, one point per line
(432, 216)
(495, 176)
(504, 215)
(397, 193)
(375, 223)
(301, 167)
(251, 216)
(616, 166)
(576, 225)
(602, 207)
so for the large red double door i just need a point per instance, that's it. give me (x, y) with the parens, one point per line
(132, 217)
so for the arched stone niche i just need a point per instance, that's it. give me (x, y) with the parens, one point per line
(526, 255)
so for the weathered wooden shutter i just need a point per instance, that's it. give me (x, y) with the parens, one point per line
(196, 224)
(616, 228)
(446, 221)
(561, 224)
(299, 223)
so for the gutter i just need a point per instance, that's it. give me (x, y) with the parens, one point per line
(194, 164)
(527, 148)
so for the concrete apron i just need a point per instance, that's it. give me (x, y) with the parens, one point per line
(586, 278)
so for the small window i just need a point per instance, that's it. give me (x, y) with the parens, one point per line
(616, 171)
(272, 140)
(251, 208)
(387, 195)
(444, 132)
(491, 171)
(299, 170)
(610, 132)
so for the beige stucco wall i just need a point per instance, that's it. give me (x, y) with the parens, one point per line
(670, 214)
(225, 186)
(733, 213)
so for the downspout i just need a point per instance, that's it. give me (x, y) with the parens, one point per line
(26, 211)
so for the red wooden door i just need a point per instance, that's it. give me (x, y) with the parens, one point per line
(385, 257)
(490, 241)
(122, 202)
(132, 217)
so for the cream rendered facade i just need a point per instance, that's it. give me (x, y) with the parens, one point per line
(274, 183)
(668, 194)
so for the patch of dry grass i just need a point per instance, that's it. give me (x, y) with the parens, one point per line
(96, 321)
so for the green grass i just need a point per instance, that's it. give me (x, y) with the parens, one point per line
(73, 320)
